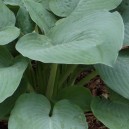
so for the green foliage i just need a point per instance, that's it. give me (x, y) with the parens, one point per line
(65, 115)
(62, 46)
(24, 21)
(78, 95)
(45, 45)
(11, 72)
(64, 8)
(7, 25)
(124, 11)
(7, 105)
(113, 115)
(117, 77)
(40, 15)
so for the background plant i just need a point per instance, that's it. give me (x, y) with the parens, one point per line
(45, 45)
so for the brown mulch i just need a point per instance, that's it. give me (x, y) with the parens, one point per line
(93, 122)
(97, 88)
(3, 125)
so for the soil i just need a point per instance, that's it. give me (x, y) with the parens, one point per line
(3, 125)
(97, 88)
(93, 122)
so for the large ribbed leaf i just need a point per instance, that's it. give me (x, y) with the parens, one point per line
(65, 7)
(32, 111)
(117, 77)
(78, 39)
(11, 71)
(113, 115)
(8, 31)
(44, 19)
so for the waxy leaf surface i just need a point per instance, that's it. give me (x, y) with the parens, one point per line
(66, 7)
(11, 72)
(7, 105)
(111, 114)
(33, 110)
(24, 21)
(81, 39)
(78, 95)
(117, 77)
(124, 10)
(43, 18)
(8, 31)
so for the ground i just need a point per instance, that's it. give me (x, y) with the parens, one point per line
(97, 88)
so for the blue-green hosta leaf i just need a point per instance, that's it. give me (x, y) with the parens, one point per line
(32, 111)
(14, 2)
(8, 31)
(89, 39)
(24, 21)
(126, 36)
(117, 77)
(7, 105)
(78, 95)
(44, 19)
(6, 58)
(11, 71)
(65, 7)
(124, 10)
(115, 97)
(45, 3)
(113, 115)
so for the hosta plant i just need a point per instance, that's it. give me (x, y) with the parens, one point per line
(45, 45)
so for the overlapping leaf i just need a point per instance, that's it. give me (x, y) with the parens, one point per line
(45, 3)
(8, 31)
(113, 115)
(117, 77)
(65, 7)
(24, 21)
(7, 105)
(11, 71)
(124, 10)
(33, 110)
(115, 97)
(81, 39)
(78, 95)
(40, 15)
(44, 19)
